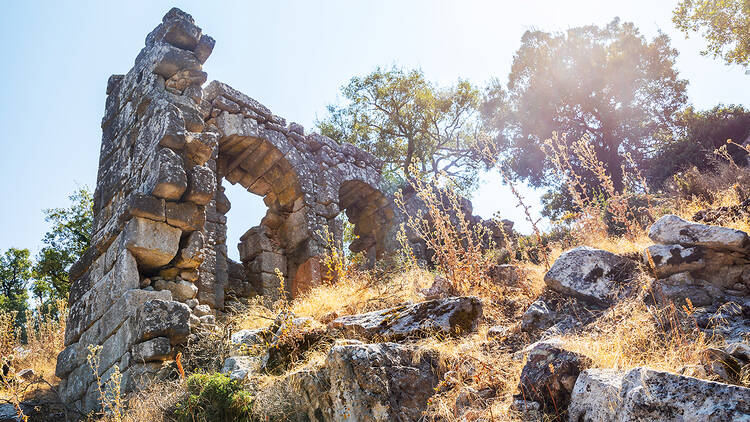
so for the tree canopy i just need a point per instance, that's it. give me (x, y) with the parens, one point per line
(698, 134)
(67, 239)
(15, 275)
(411, 124)
(725, 24)
(608, 83)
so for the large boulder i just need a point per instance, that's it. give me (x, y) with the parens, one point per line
(550, 374)
(450, 316)
(644, 394)
(591, 274)
(368, 382)
(672, 259)
(672, 229)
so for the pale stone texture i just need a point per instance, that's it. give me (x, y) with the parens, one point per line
(644, 394)
(591, 274)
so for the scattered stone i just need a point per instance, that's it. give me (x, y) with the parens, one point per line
(439, 289)
(550, 374)
(671, 229)
(644, 394)
(672, 259)
(240, 367)
(451, 316)
(591, 274)
(537, 317)
(182, 290)
(201, 310)
(27, 374)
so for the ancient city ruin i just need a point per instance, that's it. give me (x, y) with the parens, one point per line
(158, 263)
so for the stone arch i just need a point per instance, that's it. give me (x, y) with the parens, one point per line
(371, 213)
(265, 163)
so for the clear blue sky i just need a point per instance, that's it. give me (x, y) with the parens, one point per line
(293, 56)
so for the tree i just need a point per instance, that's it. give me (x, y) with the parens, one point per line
(410, 124)
(608, 83)
(725, 25)
(698, 134)
(65, 242)
(15, 275)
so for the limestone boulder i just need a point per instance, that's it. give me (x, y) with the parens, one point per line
(671, 229)
(537, 317)
(643, 394)
(152, 243)
(671, 259)
(590, 274)
(191, 252)
(550, 374)
(450, 316)
(186, 215)
(182, 290)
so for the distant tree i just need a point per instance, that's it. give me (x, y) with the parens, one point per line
(697, 135)
(15, 275)
(406, 121)
(65, 242)
(725, 24)
(609, 83)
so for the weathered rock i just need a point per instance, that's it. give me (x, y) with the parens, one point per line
(240, 367)
(451, 316)
(147, 206)
(671, 229)
(191, 253)
(182, 290)
(374, 382)
(202, 310)
(537, 317)
(550, 374)
(159, 318)
(591, 274)
(156, 349)
(439, 289)
(153, 244)
(644, 394)
(201, 185)
(672, 259)
(171, 179)
(505, 274)
(185, 215)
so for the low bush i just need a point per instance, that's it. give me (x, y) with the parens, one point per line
(215, 397)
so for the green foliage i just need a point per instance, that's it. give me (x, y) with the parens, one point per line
(725, 25)
(698, 134)
(15, 275)
(406, 121)
(65, 242)
(608, 83)
(214, 397)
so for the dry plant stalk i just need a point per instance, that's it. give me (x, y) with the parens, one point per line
(458, 247)
(109, 392)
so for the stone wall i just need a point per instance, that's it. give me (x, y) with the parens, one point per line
(158, 267)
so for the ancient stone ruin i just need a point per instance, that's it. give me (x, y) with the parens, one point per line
(158, 265)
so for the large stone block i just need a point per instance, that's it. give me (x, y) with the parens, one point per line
(191, 252)
(186, 215)
(159, 318)
(201, 185)
(153, 244)
(171, 181)
(672, 229)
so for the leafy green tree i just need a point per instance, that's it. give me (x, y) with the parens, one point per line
(411, 124)
(15, 275)
(698, 134)
(65, 242)
(725, 25)
(609, 83)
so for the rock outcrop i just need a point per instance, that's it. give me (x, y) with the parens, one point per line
(592, 275)
(644, 394)
(450, 316)
(708, 265)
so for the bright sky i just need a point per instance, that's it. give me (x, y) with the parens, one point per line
(293, 56)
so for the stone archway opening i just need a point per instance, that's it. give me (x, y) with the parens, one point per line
(268, 249)
(371, 214)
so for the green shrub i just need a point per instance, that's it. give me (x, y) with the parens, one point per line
(214, 397)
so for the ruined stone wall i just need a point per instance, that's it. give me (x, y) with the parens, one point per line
(158, 268)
